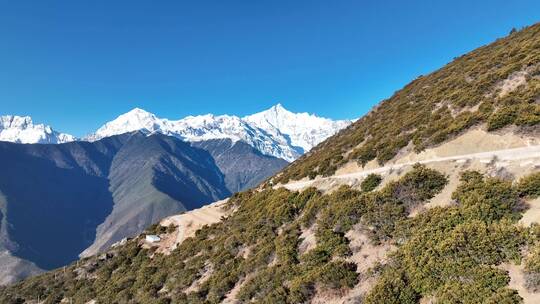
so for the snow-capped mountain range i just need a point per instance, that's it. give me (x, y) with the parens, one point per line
(276, 131)
(21, 129)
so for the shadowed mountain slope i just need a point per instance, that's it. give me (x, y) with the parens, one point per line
(244, 166)
(78, 198)
(152, 177)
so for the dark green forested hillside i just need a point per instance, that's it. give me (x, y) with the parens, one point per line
(435, 107)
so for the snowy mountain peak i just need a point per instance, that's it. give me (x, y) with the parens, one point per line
(136, 116)
(278, 108)
(19, 122)
(276, 131)
(274, 111)
(304, 130)
(136, 119)
(21, 129)
(138, 112)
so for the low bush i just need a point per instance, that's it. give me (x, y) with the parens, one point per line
(529, 186)
(466, 241)
(502, 118)
(370, 182)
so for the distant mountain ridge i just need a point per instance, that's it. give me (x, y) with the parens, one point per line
(134, 171)
(276, 132)
(302, 130)
(21, 129)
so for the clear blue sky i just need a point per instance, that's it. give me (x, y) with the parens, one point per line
(76, 64)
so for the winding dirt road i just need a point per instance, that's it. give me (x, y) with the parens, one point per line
(527, 154)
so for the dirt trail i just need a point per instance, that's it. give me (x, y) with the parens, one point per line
(188, 223)
(504, 155)
(517, 282)
(532, 214)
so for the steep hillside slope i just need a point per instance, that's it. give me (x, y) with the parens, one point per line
(366, 247)
(244, 167)
(496, 85)
(61, 201)
(54, 193)
(151, 178)
(433, 197)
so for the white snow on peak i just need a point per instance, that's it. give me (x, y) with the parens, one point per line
(134, 120)
(302, 130)
(21, 129)
(276, 131)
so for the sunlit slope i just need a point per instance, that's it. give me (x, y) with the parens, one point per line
(495, 86)
(449, 212)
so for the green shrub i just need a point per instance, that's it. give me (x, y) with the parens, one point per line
(338, 274)
(502, 118)
(478, 285)
(364, 154)
(370, 182)
(529, 186)
(465, 241)
(417, 186)
(532, 269)
(504, 296)
(392, 288)
(488, 199)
